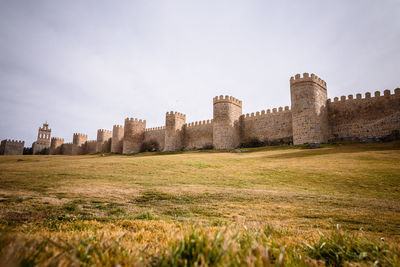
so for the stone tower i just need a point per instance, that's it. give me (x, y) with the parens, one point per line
(227, 112)
(103, 141)
(79, 139)
(133, 135)
(309, 109)
(117, 139)
(78, 142)
(174, 132)
(55, 146)
(43, 139)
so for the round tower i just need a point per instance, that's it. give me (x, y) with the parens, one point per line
(117, 139)
(103, 141)
(133, 135)
(227, 111)
(174, 122)
(309, 109)
(55, 145)
(79, 139)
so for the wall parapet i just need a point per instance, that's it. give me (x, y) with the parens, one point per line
(227, 99)
(135, 121)
(160, 128)
(268, 112)
(118, 126)
(176, 114)
(104, 131)
(80, 134)
(367, 96)
(307, 78)
(199, 123)
(57, 139)
(13, 141)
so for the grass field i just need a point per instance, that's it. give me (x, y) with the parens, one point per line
(335, 205)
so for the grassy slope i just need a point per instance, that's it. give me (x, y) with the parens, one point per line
(302, 191)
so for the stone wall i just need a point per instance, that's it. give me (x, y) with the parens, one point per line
(312, 119)
(67, 149)
(364, 118)
(267, 127)
(90, 146)
(198, 135)
(11, 147)
(156, 134)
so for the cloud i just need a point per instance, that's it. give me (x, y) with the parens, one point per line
(84, 65)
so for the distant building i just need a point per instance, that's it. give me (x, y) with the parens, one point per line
(43, 140)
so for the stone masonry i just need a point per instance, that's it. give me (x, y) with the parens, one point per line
(312, 118)
(11, 147)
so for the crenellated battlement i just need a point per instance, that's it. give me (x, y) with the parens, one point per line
(268, 112)
(311, 118)
(177, 115)
(227, 99)
(13, 141)
(297, 79)
(80, 135)
(199, 123)
(368, 96)
(160, 128)
(104, 131)
(134, 121)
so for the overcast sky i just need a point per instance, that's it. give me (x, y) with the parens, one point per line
(85, 65)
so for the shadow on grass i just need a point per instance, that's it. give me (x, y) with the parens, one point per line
(335, 149)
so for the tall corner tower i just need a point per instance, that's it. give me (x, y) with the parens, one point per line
(133, 135)
(227, 111)
(309, 109)
(174, 131)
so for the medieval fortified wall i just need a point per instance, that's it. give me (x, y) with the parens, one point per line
(312, 118)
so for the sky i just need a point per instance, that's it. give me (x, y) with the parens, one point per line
(87, 65)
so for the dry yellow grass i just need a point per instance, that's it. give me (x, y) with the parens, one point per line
(300, 190)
